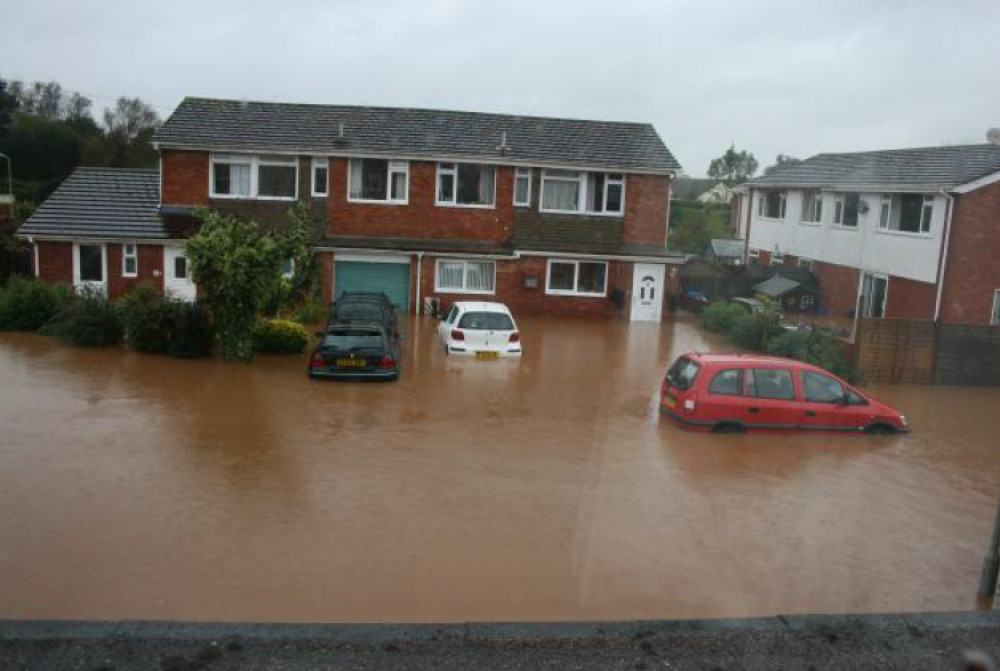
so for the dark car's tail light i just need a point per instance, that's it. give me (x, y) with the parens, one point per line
(515, 337)
(317, 361)
(457, 335)
(387, 362)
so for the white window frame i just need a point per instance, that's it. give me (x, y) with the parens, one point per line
(320, 164)
(807, 301)
(465, 263)
(777, 257)
(753, 253)
(995, 314)
(519, 174)
(885, 213)
(581, 199)
(840, 209)
(576, 278)
(814, 218)
(393, 166)
(453, 171)
(134, 256)
(254, 162)
(77, 281)
(926, 214)
(782, 209)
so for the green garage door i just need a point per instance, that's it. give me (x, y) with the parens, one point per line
(391, 278)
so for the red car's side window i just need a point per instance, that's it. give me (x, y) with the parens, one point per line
(727, 383)
(817, 388)
(770, 383)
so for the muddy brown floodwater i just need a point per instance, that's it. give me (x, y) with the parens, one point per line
(135, 486)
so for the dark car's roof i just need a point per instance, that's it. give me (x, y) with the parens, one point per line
(356, 324)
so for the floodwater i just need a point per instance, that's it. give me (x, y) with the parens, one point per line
(136, 486)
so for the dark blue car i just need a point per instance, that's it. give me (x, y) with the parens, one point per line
(356, 350)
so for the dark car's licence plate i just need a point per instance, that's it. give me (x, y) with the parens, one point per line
(351, 363)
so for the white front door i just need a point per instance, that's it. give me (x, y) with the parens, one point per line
(647, 292)
(177, 274)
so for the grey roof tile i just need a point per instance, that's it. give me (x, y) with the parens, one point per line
(101, 203)
(414, 133)
(924, 168)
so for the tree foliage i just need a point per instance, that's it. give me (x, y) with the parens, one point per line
(781, 160)
(694, 225)
(733, 166)
(236, 266)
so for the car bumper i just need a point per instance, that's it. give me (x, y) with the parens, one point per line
(354, 375)
(460, 350)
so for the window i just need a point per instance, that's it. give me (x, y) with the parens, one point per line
(777, 257)
(577, 278)
(288, 268)
(772, 204)
(907, 213)
(874, 292)
(130, 261)
(466, 184)
(754, 253)
(265, 177)
(845, 209)
(995, 317)
(378, 180)
(773, 383)
(812, 207)
(683, 373)
(180, 267)
(522, 187)
(457, 276)
(590, 192)
(486, 321)
(805, 262)
(91, 263)
(727, 383)
(320, 177)
(817, 388)
(807, 302)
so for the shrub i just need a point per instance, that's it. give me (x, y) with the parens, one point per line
(279, 336)
(193, 334)
(26, 305)
(753, 332)
(90, 320)
(720, 316)
(816, 348)
(312, 312)
(149, 319)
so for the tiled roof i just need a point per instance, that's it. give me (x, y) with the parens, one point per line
(414, 133)
(925, 168)
(101, 203)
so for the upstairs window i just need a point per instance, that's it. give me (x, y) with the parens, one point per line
(466, 184)
(378, 180)
(907, 213)
(264, 177)
(845, 209)
(320, 177)
(587, 192)
(130, 261)
(522, 187)
(812, 207)
(772, 205)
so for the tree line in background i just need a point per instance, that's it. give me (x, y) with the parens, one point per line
(48, 131)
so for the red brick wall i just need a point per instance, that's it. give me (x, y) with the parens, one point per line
(647, 198)
(185, 177)
(55, 261)
(838, 286)
(909, 299)
(973, 271)
(421, 218)
(150, 269)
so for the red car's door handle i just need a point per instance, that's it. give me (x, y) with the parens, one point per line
(754, 410)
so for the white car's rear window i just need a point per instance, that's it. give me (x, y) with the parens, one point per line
(486, 321)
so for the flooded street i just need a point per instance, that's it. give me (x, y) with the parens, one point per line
(136, 486)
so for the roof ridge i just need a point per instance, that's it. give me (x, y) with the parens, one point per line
(644, 124)
(906, 149)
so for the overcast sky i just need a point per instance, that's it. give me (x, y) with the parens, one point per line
(794, 77)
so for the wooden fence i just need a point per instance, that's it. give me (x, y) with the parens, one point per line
(910, 351)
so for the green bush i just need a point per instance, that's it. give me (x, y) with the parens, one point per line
(89, 320)
(813, 347)
(753, 332)
(193, 334)
(26, 305)
(312, 312)
(149, 319)
(720, 316)
(279, 336)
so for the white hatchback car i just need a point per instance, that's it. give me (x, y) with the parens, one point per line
(482, 330)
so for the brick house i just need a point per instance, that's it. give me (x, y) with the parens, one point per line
(909, 234)
(550, 216)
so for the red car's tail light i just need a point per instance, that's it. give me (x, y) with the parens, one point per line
(457, 335)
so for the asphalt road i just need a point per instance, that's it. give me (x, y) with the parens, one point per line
(892, 641)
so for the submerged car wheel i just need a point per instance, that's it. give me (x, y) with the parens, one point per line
(879, 430)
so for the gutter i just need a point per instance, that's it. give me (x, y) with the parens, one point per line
(675, 260)
(945, 248)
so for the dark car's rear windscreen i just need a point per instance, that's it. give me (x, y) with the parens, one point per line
(486, 321)
(348, 340)
(360, 311)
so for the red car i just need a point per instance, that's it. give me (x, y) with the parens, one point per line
(736, 392)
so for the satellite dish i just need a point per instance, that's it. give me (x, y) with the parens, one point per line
(993, 135)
